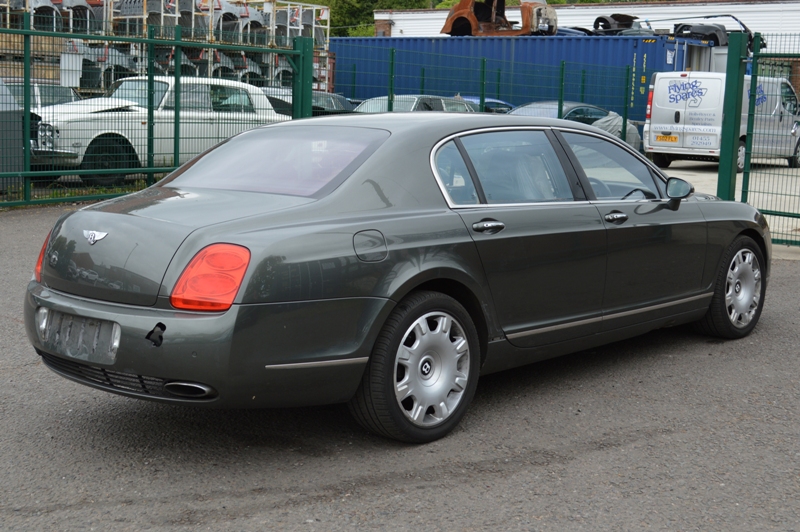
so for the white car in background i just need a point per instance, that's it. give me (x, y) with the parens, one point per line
(110, 133)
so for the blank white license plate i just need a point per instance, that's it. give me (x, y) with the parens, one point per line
(81, 338)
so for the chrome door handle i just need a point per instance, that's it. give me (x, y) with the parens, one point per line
(488, 226)
(616, 217)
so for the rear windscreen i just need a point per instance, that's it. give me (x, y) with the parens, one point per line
(308, 161)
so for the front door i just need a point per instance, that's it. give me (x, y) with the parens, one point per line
(656, 255)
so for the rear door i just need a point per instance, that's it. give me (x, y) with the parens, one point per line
(542, 245)
(687, 110)
(198, 128)
(233, 109)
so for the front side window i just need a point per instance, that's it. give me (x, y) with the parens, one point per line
(517, 167)
(789, 98)
(194, 97)
(135, 90)
(226, 99)
(613, 173)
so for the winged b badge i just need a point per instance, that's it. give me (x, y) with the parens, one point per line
(94, 236)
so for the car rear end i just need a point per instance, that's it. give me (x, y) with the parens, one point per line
(684, 115)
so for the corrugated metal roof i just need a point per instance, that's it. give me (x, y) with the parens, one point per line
(764, 17)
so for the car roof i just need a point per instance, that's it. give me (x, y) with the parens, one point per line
(437, 123)
(566, 105)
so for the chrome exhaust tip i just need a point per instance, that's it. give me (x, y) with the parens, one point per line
(190, 390)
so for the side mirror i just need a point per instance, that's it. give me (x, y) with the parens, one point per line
(678, 189)
(795, 129)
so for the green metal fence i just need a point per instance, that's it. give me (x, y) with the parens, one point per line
(91, 115)
(397, 80)
(771, 180)
(145, 105)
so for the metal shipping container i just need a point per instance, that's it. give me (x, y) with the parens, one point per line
(362, 64)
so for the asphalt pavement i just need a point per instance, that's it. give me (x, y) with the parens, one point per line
(670, 431)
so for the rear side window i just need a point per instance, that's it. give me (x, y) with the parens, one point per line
(517, 167)
(296, 160)
(455, 176)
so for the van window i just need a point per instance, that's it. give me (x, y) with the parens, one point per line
(789, 98)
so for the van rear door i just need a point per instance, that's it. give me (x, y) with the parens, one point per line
(687, 110)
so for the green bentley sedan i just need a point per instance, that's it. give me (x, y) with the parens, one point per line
(386, 261)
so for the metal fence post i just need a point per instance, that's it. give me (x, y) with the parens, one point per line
(26, 105)
(731, 116)
(390, 96)
(628, 88)
(561, 90)
(151, 94)
(422, 80)
(483, 84)
(751, 113)
(303, 78)
(353, 83)
(583, 86)
(176, 148)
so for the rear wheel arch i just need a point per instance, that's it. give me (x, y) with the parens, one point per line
(461, 293)
(468, 300)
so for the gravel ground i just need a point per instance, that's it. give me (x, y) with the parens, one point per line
(668, 431)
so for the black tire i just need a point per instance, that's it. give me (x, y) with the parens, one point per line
(741, 276)
(661, 160)
(740, 157)
(108, 154)
(794, 162)
(376, 405)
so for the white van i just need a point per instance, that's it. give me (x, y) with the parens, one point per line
(684, 118)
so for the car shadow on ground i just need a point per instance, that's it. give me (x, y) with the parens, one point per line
(326, 430)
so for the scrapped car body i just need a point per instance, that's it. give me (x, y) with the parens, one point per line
(487, 19)
(402, 103)
(585, 114)
(111, 132)
(322, 103)
(491, 105)
(385, 261)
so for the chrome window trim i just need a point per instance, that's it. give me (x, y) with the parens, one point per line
(616, 315)
(617, 141)
(322, 364)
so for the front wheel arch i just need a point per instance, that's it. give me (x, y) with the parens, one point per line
(118, 144)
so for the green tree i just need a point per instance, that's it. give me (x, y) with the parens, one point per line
(355, 18)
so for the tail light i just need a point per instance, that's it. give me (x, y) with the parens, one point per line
(649, 103)
(212, 279)
(37, 272)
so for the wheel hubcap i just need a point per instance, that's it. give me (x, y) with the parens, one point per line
(740, 157)
(743, 288)
(431, 369)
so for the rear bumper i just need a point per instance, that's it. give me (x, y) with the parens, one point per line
(681, 152)
(271, 355)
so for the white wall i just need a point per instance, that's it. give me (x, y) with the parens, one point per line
(764, 17)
